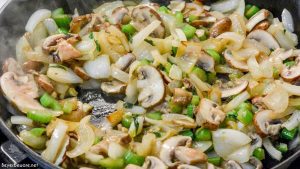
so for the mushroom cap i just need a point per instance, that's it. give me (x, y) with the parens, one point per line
(186, 166)
(257, 163)
(192, 9)
(152, 162)
(113, 87)
(291, 73)
(143, 15)
(118, 15)
(263, 25)
(168, 148)
(209, 114)
(235, 63)
(263, 123)
(221, 26)
(265, 38)
(231, 164)
(257, 18)
(181, 96)
(124, 62)
(189, 155)
(21, 90)
(151, 86)
(227, 92)
(206, 62)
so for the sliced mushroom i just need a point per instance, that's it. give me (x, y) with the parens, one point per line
(235, 63)
(256, 141)
(205, 21)
(151, 86)
(263, 25)
(206, 62)
(209, 114)
(21, 90)
(50, 43)
(143, 15)
(257, 18)
(265, 38)
(231, 164)
(124, 62)
(168, 148)
(181, 96)
(152, 162)
(186, 166)
(118, 137)
(66, 51)
(221, 26)
(11, 65)
(79, 22)
(79, 71)
(227, 92)
(192, 9)
(32, 66)
(290, 73)
(113, 87)
(44, 82)
(266, 124)
(177, 6)
(258, 102)
(131, 166)
(256, 163)
(189, 155)
(120, 15)
(100, 148)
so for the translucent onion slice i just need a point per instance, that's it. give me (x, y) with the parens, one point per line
(291, 89)
(202, 145)
(225, 5)
(277, 100)
(37, 17)
(293, 121)
(239, 99)
(287, 20)
(21, 120)
(62, 74)
(98, 68)
(144, 33)
(86, 137)
(272, 151)
(235, 40)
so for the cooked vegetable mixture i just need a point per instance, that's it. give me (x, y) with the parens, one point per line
(202, 86)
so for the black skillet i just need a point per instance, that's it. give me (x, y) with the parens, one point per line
(13, 18)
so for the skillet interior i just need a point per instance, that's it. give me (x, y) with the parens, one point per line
(12, 22)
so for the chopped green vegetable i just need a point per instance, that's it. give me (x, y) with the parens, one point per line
(128, 29)
(214, 54)
(168, 67)
(58, 11)
(189, 31)
(145, 62)
(188, 133)
(157, 134)
(175, 108)
(30, 139)
(203, 134)
(282, 147)
(174, 51)
(201, 74)
(154, 115)
(203, 37)
(195, 100)
(132, 158)
(252, 11)
(290, 63)
(193, 18)
(288, 134)
(127, 105)
(247, 7)
(49, 102)
(126, 121)
(164, 9)
(211, 77)
(276, 73)
(38, 131)
(150, 42)
(40, 117)
(97, 140)
(232, 115)
(98, 47)
(91, 36)
(112, 163)
(67, 107)
(215, 160)
(190, 110)
(62, 20)
(179, 17)
(245, 105)
(63, 31)
(259, 153)
(72, 92)
(245, 116)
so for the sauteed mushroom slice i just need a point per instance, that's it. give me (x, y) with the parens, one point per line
(143, 15)
(238, 88)
(124, 62)
(189, 155)
(151, 86)
(192, 9)
(32, 66)
(265, 38)
(257, 18)
(290, 73)
(177, 6)
(120, 15)
(79, 71)
(152, 162)
(186, 166)
(221, 26)
(231, 164)
(206, 62)
(78, 22)
(266, 124)
(11, 65)
(256, 163)
(235, 63)
(132, 166)
(181, 97)
(168, 148)
(263, 25)
(209, 114)
(113, 87)
(45, 83)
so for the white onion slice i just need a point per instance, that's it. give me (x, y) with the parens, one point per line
(241, 8)
(119, 74)
(136, 110)
(37, 17)
(63, 75)
(175, 73)
(287, 20)
(21, 120)
(293, 121)
(115, 150)
(235, 40)
(225, 5)
(51, 26)
(86, 137)
(291, 89)
(277, 100)
(241, 155)
(272, 151)
(144, 33)
(62, 152)
(237, 101)
(202, 86)
(180, 34)
(98, 68)
(55, 142)
(202, 145)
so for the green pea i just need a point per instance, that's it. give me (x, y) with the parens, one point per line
(126, 121)
(288, 134)
(245, 116)
(175, 108)
(190, 110)
(154, 115)
(188, 133)
(201, 74)
(282, 147)
(259, 153)
(128, 29)
(203, 134)
(179, 17)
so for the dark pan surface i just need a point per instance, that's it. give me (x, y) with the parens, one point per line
(12, 22)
